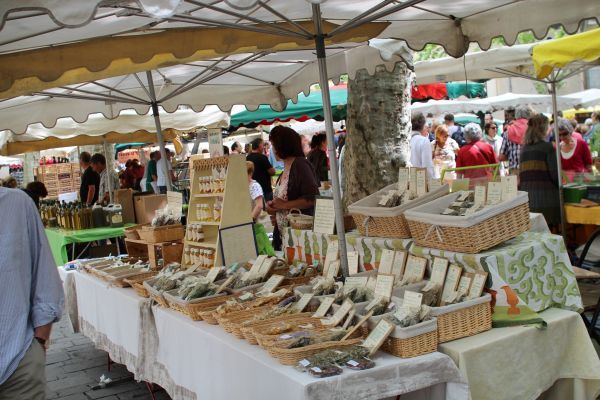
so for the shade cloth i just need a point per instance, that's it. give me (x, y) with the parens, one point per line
(559, 53)
(60, 238)
(523, 362)
(527, 274)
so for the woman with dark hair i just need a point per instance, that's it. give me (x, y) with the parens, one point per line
(318, 156)
(297, 185)
(538, 175)
(36, 190)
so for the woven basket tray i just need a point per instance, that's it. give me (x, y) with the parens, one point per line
(192, 307)
(293, 356)
(413, 341)
(372, 220)
(464, 319)
(486, 229)
(155, 295)
(140, 290)
(231, 322)
(250, 331)
(126, 282)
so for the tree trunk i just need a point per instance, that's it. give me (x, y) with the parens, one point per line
(378, 130)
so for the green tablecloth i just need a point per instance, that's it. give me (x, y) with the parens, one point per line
(60, 238)
(534, 266)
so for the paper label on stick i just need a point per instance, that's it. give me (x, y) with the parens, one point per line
(464, 284)
(333, 269)
(477, 284)
(378, 335)
(265, 267)
(192, 268)
(509, 188)
(256, 265)
(331, 255)
(272, 284)
(324, 220)
(403, 179)
(352, 262)
(325, 305)
(387, 261)
(303, 302)
(384, 286)
(438, 271)
(213, 273)
(225, 284)
(341, 312)
(355, 282)
(494, 194)
(412, 299)
(412, 181)
(421, 182)
(305, 363)
(434, 184)
(398, 267)
(415, 268)
(452, 280)
(479, 196)
(175, 201)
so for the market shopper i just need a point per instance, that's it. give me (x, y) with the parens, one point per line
(31, 296)
(420, 146)
(317, 156)
(538, 175)
(152, 173)
(444, 150)
(90, 180)
(575, 155)
(10, 183)
(297, 186)
(36, 190)
(263, 170)
(138, 173)
(98, 163)
(257, 210)
(456, 132)
(512, 139)
(164, 168)
(475, 152)
(236, 148)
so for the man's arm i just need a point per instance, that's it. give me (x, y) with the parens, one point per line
(91, 193)
(427, 158)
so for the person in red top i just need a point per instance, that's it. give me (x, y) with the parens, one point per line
(475, 152)
(575, 155)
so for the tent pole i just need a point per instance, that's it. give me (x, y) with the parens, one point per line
(159, 134)
(324, 82)
(558, 163)
(109, 170)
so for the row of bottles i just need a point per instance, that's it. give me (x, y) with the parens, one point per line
(74, 215)
(209, 213)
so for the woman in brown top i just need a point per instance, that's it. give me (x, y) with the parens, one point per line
(296, 187)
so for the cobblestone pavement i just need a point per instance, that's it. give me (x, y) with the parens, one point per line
(74, 366)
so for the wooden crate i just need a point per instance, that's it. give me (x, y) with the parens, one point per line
(154, 252)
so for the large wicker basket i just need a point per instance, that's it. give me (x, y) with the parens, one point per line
(413, 341)
(298, 220)
(161, 234)
(255, 332)
(192, 308)
(372, 220)
(464, 319)
(154, 294)
(470, 234)
(293, 356)
(127, 281)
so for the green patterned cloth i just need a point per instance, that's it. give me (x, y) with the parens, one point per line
(534, 266)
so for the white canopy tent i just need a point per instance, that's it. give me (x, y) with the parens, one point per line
(585, 98)
(32, 23)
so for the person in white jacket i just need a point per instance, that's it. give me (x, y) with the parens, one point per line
(420, 148)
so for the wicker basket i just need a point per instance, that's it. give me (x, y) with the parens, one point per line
(126, 282)
(470, 234)
(231, 321)
(464, 319)
(251, 330)
(154, 294)
(140, 290)
(413, 341)
(293, 356)
(259, 332)
(161, 234)
(191, 308)
(298, 220)
(372, 220)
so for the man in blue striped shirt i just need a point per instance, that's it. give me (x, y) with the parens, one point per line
(31, 297)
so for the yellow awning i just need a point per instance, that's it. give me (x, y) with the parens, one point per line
(141, 136)
(26, 72)
(561, 52)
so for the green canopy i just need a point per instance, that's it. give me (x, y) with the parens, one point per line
(307, 107)
(468, 89)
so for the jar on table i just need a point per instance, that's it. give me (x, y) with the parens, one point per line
(199, 234)
(217, 212)
(186, 256)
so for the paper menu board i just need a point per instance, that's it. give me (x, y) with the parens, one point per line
(384, 286)
(324, 220)
(509, 187)
(387, 261)
(412, 299)
(477, 284)
(355, 282)
(378, 335)
(415, 268)
(403, 179)
(438, 271)
(421, 182)
(272, 283)
(479, 196)
(340, 313)
(494, 193)
(398, 266)
(325, 305)
(213, 273)
(452, 280)
(303, 302)
(352, 262)
(412, 181)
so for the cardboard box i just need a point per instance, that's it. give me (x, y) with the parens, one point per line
(124, 197)
(145, 206)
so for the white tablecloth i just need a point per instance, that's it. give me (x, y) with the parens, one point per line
(524, 361)
(113, 318)
(215, 365)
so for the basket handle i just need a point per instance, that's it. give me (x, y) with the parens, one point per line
(297, 211)
(366, 224)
